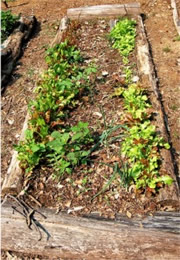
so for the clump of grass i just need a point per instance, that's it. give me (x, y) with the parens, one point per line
(166, 49)
(177, 38)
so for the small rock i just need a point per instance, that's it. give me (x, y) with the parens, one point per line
(129, 215)
(17, 136)
(116, 196)
(135, 79)
(10, 121)
(105, 73)
(178, 61)
(97, 114)
(68, 203)
(99, 78)
(75, 209)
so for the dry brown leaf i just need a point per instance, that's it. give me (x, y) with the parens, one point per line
(129, 215)
(68, 203)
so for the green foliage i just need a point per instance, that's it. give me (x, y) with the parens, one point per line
(66, 150)
(8, 21)
(177, 38)
(29, 152)
(136, 102)
(166, 49)
(141, 145)
(59, 89)
(123, 37)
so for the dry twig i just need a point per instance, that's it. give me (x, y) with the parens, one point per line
(28, 213)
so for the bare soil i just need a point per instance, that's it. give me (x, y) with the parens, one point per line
(165, 49)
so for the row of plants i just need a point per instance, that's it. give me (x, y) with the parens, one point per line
(141, 146)
(8, 23)
(48, 138)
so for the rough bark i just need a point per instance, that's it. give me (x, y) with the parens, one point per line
(86, 238)
(13, 180)
(100, 11)
(11, 49)
(62, 28)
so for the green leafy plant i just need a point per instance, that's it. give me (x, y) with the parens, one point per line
(141, 149)
(58, 90)
(136, 102)
(8, 22)
(66, 149)
(123, 37)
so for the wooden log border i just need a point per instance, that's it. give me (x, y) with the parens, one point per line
(176, 17)
(153, 238)
(146, 68)
(75, 238)
(11, 49)
(13, 181)
(107, 11)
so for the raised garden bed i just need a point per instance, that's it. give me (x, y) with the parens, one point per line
(95, 186)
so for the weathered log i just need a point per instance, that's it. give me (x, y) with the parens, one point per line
(12, 47)
(62, 28)
(90, 238)
(176, 17)
(100, 11)
(169, 194)
(13, 181)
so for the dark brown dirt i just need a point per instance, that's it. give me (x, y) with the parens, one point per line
(165, 50)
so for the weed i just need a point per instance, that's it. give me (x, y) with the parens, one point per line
(166, 49)
(174, 107)
(30, 72)
(177, 38)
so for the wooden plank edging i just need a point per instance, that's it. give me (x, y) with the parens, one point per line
(175, 16)
(169, 194)
(91, 12)
(77, 237)
(13, 181)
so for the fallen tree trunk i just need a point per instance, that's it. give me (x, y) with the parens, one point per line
(11, 49)
(93, 238)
